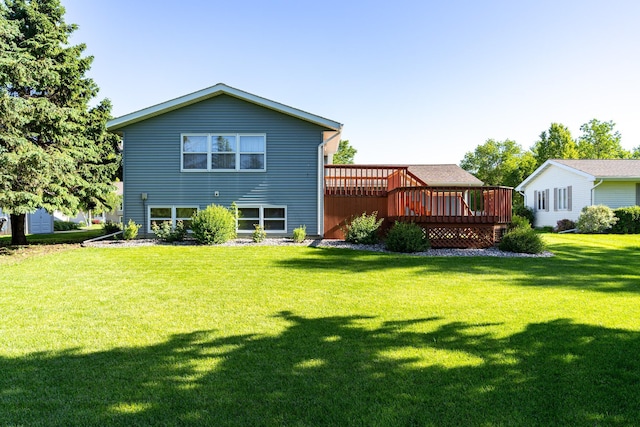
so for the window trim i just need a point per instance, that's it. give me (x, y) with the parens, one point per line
(261, 219)
(210, 152)
(173, 219)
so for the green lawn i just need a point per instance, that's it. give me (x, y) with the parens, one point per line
(303, 336)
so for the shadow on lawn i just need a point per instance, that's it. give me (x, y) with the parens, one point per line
(582, 267)
(334, 371)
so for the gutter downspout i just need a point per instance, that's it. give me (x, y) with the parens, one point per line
(321, 181)
(593, 192)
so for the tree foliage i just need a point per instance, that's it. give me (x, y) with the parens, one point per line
(556, 143)
(345, 154)
(55, 152)
(599, 140)
(499, 163)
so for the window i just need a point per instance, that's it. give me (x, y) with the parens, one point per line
(561, 199)
(224, 152)
(272, 218)
(173, 214)
(541, 200)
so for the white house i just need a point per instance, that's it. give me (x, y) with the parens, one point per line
(559, 189)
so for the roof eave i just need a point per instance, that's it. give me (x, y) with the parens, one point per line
(201, 95)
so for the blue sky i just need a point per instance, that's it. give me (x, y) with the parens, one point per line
(412, 81)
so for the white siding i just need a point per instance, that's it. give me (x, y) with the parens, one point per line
(555, 177)
(616, 194)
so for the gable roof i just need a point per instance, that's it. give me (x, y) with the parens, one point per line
(210, 92)
(610, 169)
(452, 175)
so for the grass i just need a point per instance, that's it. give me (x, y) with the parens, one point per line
(303, 336)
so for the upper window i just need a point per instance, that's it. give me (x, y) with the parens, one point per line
(224, 152)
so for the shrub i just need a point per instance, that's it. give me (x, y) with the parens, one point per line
(522, 240)
(518, 221)
(95, 221)
(166, 232)
(363, 229)
(564, 225)
(65, 225)
(258, 234)
(130, 230)
(406, 237)
(214, 225)
(595, 219)
(299, 234)
(525, 212)
(628, 220)
(110, 227)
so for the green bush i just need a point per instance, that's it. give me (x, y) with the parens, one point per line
(258, 234)
(525, 212)
(518, 221)
(363, 229)
(167, 233)
(130, 230)
(522, 240)
(628, 220)
(595, 219)
(564, 225)
(406, 237)
(110, 227)
(213, 225)
(299, 234)
(65, 225)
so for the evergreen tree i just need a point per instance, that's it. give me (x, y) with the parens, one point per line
(55, 152)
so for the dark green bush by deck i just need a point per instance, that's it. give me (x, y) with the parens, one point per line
(522, 240)
(525, 212)
(213, 225)
(518, 221)
(406, 237)
(363, 229)
(628, 220)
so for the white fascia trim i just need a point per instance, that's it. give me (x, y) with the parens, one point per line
(210, 92)
(522, 186)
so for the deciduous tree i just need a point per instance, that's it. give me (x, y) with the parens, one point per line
(55, 152)
(345, 154)
(499, 163)
(556, 143)
(599, 140)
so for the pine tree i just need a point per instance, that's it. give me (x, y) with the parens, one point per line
(55, 152)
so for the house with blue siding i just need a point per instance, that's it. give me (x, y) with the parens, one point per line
(222, 145)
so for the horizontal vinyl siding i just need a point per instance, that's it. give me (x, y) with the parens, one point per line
(152, 161)
(615, 194)
(554, 177)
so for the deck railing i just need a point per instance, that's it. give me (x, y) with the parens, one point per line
(370, 180)
(449, 205)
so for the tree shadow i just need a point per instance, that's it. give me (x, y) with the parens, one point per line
(338, 371)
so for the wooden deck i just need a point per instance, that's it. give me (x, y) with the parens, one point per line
(468, 217)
